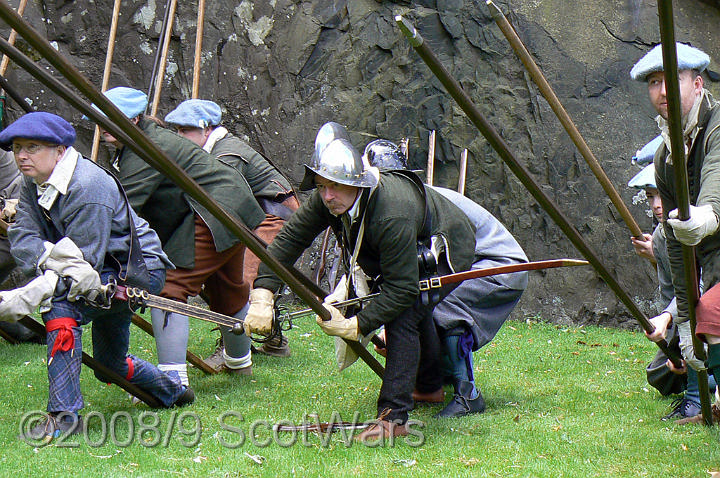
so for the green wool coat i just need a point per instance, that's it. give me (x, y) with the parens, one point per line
(264, 179)
(169, 210)
(393, 223)
(703, 171)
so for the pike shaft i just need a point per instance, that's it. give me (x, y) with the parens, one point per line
(522, 173)
(559, 110)
(682, 189)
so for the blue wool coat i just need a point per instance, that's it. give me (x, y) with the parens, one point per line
(93, 214)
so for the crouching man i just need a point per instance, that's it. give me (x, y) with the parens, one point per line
(473, 313)
(378, 220)
(75, 229)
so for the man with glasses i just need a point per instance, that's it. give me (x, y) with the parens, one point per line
(72, 232)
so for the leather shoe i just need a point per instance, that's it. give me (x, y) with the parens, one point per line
(438, 396)
(237, 371)
(187, 397)
(382, 430)
(682, 408)
(699, 417)
(55, 425)
(461, 403)
(216, 361)
(275, 347)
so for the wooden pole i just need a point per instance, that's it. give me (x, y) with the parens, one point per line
(6, 61)
(548, 93)
(682, 189)
(523, 174)
(106, 72)
(463, 172)
(15, 95)
(431, 158)
(163, 58)
(156, 62)
(131, 136)
(198, 48)
(11, 39)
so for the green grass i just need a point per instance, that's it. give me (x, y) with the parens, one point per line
(562, 401)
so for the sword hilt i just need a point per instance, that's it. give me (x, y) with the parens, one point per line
(238, 328)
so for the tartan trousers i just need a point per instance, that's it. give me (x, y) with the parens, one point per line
(110, 339)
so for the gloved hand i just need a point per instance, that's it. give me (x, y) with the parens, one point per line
(8, 212)
(340, 292)
(66, 259)
(686, 346)
(17, 303)
(259, 319)
(703, 222)
(338, 325)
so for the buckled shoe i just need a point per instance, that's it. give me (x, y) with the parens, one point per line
(275, 347)
(54, 425)
(216, 361)
(461, 403)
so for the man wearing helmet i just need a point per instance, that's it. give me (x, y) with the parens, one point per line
(378, 220)
(472, 314)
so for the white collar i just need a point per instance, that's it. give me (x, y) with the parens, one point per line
(354, 210)
(59, 179)
(216, 135)
(689, 124)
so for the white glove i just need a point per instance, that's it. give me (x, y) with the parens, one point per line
(9, 211)
(66, 259)
(686, 346)
(17, 303)
(340, 292)
(259, 319)
(703, 222)
(338, 325)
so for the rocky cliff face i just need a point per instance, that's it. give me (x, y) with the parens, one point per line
(282, 68)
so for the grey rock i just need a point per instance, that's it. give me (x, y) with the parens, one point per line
(281, 69)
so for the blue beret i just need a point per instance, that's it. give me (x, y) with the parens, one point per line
(130, 101)
(646, 154)
(688, 58)
(41, 126)
(644, 179)
(195, 114)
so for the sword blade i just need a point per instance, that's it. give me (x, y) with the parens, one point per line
(458, 277)
(145, 299)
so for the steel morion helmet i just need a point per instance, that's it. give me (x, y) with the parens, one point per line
(340, 162)
(327, 133)
(385, 155)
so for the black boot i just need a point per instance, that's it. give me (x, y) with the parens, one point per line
(461, 404)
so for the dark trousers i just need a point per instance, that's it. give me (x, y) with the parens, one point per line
(413, 354)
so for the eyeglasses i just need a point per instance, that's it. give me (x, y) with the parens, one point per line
(31, 148)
